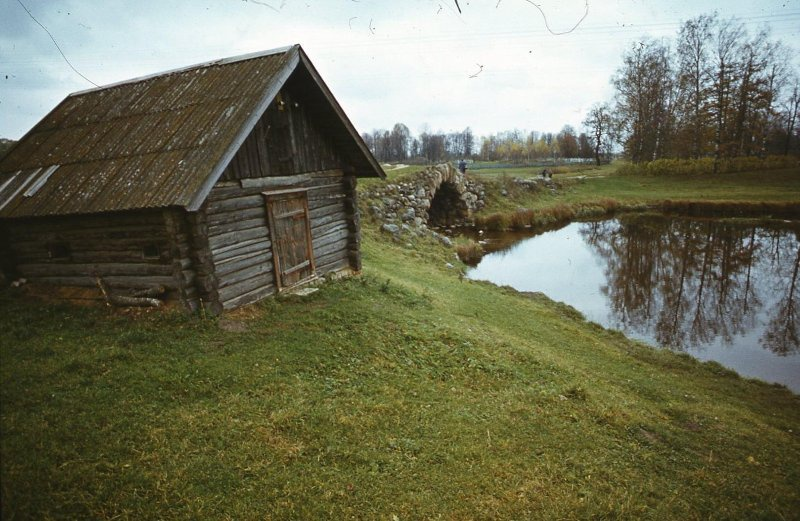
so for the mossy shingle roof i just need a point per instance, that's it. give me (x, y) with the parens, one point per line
(157, 141)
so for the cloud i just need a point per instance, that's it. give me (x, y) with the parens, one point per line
(384, 61)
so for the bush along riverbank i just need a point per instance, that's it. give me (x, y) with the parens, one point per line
(549, 215)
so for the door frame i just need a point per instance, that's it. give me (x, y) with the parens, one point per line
(269, 197)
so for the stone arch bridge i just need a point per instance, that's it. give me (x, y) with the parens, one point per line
(437, 196)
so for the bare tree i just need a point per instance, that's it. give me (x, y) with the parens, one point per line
(753, 93)
(399, 141)
(599, 123)
(567, 142)
(727, 39)
(585, 148)
(646, 97)
(694, 40)
(469, 142)
(370, 142)
(790, 113)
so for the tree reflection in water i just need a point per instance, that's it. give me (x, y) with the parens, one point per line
(689, 282)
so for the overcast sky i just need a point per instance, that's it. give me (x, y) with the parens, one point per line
(492, 67)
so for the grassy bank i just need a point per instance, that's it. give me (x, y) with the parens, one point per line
(405, 393)
(590, 192)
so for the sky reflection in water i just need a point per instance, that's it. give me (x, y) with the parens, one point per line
(718, 290)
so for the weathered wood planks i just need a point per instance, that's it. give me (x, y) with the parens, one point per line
(222, 255)
(129, 249)
(286, 141)
(238, 231)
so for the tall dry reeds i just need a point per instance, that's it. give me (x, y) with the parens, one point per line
(470, 252)
(526, 217)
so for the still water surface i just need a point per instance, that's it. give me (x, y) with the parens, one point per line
(717, 289)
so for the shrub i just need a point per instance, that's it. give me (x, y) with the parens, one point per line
(494, 221)
(628, 169)
(469, 252)
(525, 217)
(521, 219)
(561, 212)
(609, 205)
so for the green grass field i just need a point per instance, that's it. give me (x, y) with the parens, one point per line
(584, 185)
(405, 393)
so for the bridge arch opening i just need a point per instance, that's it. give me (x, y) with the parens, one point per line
(447, 206)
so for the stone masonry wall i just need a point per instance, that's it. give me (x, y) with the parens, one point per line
(409, 203)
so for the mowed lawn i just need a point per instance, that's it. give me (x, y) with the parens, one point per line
(405, 393)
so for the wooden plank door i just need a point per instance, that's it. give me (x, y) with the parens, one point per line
(291, 237)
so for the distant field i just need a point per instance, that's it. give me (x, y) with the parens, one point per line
(587, 184)
(584, 184)
(396, 173)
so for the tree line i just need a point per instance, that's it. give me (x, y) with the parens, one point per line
(399, 144)
(520, 147)
(715, 90)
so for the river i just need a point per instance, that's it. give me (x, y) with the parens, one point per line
(720, 290)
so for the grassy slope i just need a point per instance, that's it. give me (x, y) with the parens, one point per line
(403, 392)
(587, 184)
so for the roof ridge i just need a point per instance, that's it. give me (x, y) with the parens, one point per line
(164, 155)
(211, 63)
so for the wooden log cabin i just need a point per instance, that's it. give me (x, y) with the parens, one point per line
(223, 182)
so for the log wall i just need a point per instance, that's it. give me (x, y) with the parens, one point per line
(184, 258)
(219, 257)
(7, 260)
(239, 239)
(287, 149)
(118, 247)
